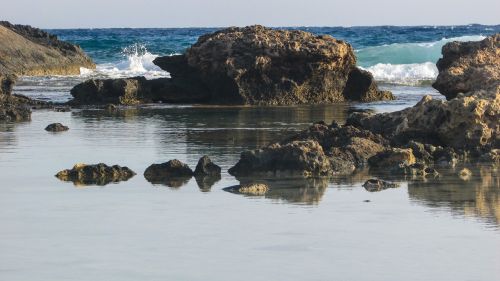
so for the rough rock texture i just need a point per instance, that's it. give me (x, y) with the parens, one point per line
(7, 82)
(14, 108)
(361, 86)
(373, 185)
(461, 123)
(56, 127)
(99, 174)
(392, 158)
(25, 50)
(319, 151)
(469, 67)
(128, 91)
(259, 65)
(206, 167)
(168, 173)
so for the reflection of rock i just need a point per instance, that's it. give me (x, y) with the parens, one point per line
(307, 191)
(478, 197)
(173, 173)
(374, 185)
(469, 67)
(99, 174)
(56, 127)
(205, 183)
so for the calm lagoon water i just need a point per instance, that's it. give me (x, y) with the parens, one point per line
(443, 229)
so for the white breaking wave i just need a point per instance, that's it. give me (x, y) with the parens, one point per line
(138, 62)
(408, 74)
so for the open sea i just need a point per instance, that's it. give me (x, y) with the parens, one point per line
(447, 228)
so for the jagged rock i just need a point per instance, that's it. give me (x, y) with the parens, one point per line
(173, 173)
(25, 50)
(99, 174)
(361, 86)
(319, 151)
(468, 67)
(259, 65)
(14, 108)
(302, 158)
(56, 127)
(206, 167)
(373, 185)
(467, 122)
(392, 158)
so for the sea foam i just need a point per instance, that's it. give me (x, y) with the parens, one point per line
(137, 61)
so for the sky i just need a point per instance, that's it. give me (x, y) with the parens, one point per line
(221, 13)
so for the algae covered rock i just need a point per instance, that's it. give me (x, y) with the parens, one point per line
(98, 174)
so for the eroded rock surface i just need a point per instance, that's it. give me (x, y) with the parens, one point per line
(467, 67)
(99, 174)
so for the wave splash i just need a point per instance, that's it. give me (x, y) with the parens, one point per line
(138, 61)
(406, 63)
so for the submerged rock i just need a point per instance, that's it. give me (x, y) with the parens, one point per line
(255, 189)
(468, 67)
(99, 174)
(56, 127)
(173, 173)
(374, 185)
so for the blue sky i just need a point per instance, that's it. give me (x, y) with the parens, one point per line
(219, 13)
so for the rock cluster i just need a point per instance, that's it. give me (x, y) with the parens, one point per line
(99, 174)
(251, 65)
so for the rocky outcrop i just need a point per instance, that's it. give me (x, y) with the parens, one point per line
(319, 151)
(56, 127)
(461, 123)
(467, 67)
(99, 174)
(259, 65)
(173, 173)
(25, 50)
(206, 167)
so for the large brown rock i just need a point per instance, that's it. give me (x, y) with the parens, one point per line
(467, 122)
(25, 50)
(468, 67)
(259, 65)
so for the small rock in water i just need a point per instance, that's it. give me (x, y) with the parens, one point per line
(465, 174)
(206, 167)
(373, 185)
(172, 173)
(56, 127)
(100, 174)
(253, 189)
(62, 109)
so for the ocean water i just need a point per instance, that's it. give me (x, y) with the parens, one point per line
(444, 228)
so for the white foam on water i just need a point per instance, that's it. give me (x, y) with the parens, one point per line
(138, 61)
(405, 74)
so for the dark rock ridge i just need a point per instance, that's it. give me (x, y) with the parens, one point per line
(206, 167)
(467, 67)
(56, 127)
(99, 174)
(25, 50)
(251, 65)
(173, 173)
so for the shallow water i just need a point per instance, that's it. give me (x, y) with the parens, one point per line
(434, 229)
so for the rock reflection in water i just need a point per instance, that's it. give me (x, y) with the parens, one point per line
(205, 183)
(296, 190)
(479, 196)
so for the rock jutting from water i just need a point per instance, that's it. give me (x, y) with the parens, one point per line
(98, 174)
(251, 65)
(56, 127)
(173, 173)
(465, 128)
